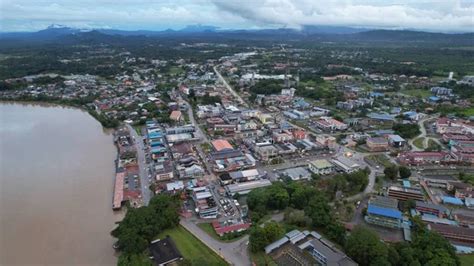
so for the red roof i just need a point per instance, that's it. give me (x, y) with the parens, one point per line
(221, 144)
(230, 228)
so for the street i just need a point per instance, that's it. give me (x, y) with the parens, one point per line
(234, 252)
(142, 165)
(232, 91)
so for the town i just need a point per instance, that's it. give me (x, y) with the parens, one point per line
(275, 161)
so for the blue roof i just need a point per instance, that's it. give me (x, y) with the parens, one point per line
(406, 183)
(380, 116)
(392, 213)
(434, 98)
(452, 200)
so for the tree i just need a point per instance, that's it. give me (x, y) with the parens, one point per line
(391, 171)
(365, 247)
(319, 211)
(262, 236)
(404, 172)
(296, 217)
(336, 232)
(407, 131)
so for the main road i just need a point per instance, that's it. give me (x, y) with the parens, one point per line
(142, 165)
(229, 88)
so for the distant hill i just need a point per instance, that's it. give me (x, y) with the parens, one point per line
(308, 33)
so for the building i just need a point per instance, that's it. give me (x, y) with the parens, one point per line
(423, 158)
(176, 116)
(296, 173)
(404, 193)
(330, 124)
(455, 234)
(321, 167)
(206, 206)
(383, 211)
(346, 164)
(266, 152)
(222, 228)
(221, 145)
(245, 187)
(377, 144)
(245, 175)
(306, 248)
(433, 209)
(164, 252)
(396, 141)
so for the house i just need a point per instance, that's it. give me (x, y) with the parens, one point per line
(266, 152)
(330, 124)
(221, 145)
(176, 116)
(383, 216)
(205, 203)
(321, 167)
(377, 144)
(299, 134)
(222, 228)
(164, 252)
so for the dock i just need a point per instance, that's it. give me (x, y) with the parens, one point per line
(118, 191)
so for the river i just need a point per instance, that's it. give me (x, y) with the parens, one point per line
(56, 182)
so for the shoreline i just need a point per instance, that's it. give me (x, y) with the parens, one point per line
(105, 122)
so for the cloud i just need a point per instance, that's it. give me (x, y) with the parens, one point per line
(446, 15)
(438, 15)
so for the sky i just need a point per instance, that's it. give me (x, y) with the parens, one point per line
(439, 15)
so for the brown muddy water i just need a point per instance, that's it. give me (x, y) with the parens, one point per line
(56, 182)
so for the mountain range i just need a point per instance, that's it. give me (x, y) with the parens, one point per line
(319, 33)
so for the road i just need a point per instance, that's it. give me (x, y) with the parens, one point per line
(234, 252)
(423, 134)
(229, 88)
(203, 138)
(142, 165)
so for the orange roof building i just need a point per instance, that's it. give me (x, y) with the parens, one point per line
(221, 144)
(176, 115)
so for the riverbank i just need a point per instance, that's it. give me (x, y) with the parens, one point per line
(76, 103)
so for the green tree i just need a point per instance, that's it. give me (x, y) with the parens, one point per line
(391, 171)
(365, 247)
(404, 172)
(262, 236)
(319, 211)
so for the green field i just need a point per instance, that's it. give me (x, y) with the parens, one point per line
(468, 111)
(467, 260)
(176, 70)
(381, 159)
(191, 248)
(419, 142)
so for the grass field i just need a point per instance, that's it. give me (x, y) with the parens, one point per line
(467, 260)
(468, 111)
(176, 70)
(419, 142)
(380, 159)
(191, 248)
(417, 93)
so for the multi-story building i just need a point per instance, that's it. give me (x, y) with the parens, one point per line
(383, 211)
(377, 144)
(206, 206)
(321, 167)
(404, 193)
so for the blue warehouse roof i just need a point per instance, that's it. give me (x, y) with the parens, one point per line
(452, 200)
(392, 213)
